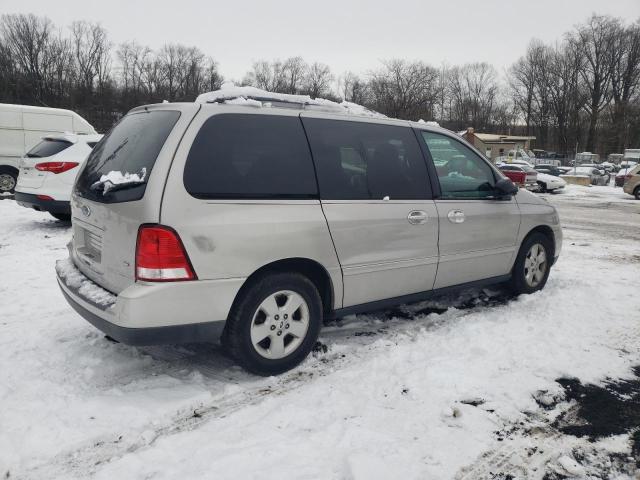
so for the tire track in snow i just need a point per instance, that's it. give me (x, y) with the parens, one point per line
(83, 462)
(360, 332)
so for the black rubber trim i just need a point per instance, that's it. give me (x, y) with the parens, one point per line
(206, 332)
(32, 201)
(416, 297)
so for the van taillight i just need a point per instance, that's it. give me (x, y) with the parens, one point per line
(56, 167)
(160, 256)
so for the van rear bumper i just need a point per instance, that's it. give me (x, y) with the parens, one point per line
(146, 315)
(32, 201)
(174, 334)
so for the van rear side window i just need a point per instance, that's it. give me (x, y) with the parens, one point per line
(130, 148)
(363, 161)
(48, 148)
(250, 157)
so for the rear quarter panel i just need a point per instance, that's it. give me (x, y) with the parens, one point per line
(233, 238)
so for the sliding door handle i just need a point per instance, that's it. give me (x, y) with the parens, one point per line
(456, 216)
(417, 217)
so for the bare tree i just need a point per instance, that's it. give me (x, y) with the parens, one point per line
(211, 77)
(625, 77)
(353, 89)
(132, 58)
(522, 81)
(278, 76)
(38, 52)
(473, 88)
(566, 93)
(404, 89)
(267, 76)
(294, 70)
(92, 55)
(317, 81)
(595, 40)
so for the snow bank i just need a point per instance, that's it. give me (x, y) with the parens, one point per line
(256, 97)
(85, 287)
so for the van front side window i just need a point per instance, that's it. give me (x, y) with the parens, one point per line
(461, 172)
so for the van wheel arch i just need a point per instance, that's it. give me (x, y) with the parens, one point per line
(311, 269)
(547, 232)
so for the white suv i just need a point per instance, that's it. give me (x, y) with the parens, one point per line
(257, 218)
(48, 171)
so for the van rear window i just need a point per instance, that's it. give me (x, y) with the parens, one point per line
(128, 151)
(48, 148)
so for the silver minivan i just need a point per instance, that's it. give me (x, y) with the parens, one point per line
(204, 222)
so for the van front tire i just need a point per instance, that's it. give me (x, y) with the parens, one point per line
(533, 263)
(274, 324)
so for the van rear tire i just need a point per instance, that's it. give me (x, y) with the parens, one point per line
(274, 324)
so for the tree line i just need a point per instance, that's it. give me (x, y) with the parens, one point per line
(581, 92)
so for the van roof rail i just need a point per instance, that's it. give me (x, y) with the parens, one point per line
(256, 97)
(284, 103)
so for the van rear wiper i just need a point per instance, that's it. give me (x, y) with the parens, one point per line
(115, 180)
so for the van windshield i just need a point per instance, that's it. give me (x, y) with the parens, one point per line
(119, 166)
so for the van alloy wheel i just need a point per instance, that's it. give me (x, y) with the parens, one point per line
(535, 265)
(279, 324)
(7, 182)
(274, 323)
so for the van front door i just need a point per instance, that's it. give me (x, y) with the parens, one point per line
(377, 201)
(478, 231)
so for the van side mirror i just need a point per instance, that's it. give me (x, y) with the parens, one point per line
(504, 186)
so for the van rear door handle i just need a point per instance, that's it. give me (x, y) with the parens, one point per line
(417, 217)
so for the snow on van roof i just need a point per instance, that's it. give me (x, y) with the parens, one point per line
(256, 97)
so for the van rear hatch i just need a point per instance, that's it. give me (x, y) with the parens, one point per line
(120, 187)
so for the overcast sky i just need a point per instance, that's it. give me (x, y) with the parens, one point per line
(347, 35)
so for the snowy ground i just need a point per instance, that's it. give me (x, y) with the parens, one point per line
(462, 387)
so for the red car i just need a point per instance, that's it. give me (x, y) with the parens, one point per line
(521, 175)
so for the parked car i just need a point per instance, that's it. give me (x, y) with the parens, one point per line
(22, 127)
(48, 170)
(521, 175)
(594, 174)
(193, 218)
(625, 169)
(603, 171)
(549, 170)
(550, 183)
(632, 182)
(608, 167)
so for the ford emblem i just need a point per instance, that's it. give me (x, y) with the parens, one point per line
(86, 211)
